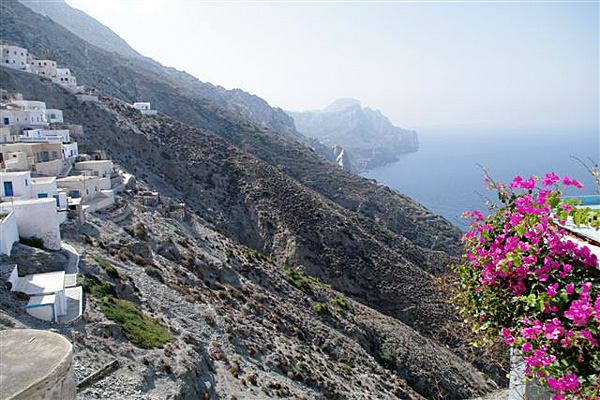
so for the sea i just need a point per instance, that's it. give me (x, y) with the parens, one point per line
(445, 174)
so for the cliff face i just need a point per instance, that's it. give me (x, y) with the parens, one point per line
(368, 136)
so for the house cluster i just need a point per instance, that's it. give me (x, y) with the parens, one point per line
(43, 178)
(44, 182)
(19, 58)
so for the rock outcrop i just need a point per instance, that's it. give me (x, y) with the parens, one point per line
(367, 135)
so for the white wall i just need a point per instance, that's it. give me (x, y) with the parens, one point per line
(54, 115)
(102, 168)
(13, 57)
(9, 233)
(69, 150)
(44, 312)
(21, 184)
(49, 168)
(37, 218)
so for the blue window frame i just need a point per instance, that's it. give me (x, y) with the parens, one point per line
(42, 195)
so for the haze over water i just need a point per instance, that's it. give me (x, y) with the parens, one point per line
(443, 175)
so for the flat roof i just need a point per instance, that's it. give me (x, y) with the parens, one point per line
(94, 162)
(22, 202)
(75, 178)
(29, 357)
(43, 179)
(8, 174)
(47, 283)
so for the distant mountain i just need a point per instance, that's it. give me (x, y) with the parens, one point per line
(249, 105)
(368, 136)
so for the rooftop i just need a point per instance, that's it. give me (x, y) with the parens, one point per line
(75, 178)
(43, 179)
(47, 283)
(23, 348)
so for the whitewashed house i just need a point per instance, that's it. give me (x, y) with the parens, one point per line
(43, 158)
(14, 161)
(45, 135)
(44, 188)
(144, 108)
(69, 151)
(36, 218)
(15, 185)
(54, 296)
(80, 186)
(45, 68)
(65, 78)
(13, 57)
(54, 115)
(9, 234)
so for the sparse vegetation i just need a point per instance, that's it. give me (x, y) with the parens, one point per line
(388, 356)
(95, 287)
(139, 328)
(322, 309)
(339, 304)
(298, 279)
(106, 266)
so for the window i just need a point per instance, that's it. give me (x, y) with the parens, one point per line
(6, 121)
(57, 200)
(26, 182)
(42, 195)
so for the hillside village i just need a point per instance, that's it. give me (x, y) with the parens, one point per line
(46, 182)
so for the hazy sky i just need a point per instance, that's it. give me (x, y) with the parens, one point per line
(517, 64)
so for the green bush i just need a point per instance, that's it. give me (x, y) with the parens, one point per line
(95, 287)
(339, 304)
(298, 279)
(106, 266)
(388, 356)
(140, 329)
(322, 309)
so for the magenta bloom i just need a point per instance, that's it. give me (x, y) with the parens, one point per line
(552, 290)
(508, 339)
(550, 179)
(579, 312)
(588, 335)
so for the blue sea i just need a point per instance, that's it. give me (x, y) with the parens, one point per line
(444, 175)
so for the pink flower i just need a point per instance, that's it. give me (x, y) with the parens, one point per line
(508, 339)
(570, 289)
(552, 290)
(588, 335)
(579, 312)
(550, 179)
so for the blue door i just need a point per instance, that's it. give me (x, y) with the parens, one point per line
(8, 189)
(57, 200)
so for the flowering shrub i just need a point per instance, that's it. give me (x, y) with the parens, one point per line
(525, 282)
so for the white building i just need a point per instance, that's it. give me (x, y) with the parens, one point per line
(13, 57)
(45, 188)
(45, 68)
(144, 108)
(65, 78)
(15, 185)
(45, 135)
(80, 186)
(54, 296)
(9, 234)
(69, 150)
(54, 115)
(37, 218)
(101, 168)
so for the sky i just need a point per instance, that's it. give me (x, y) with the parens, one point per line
(423, 64)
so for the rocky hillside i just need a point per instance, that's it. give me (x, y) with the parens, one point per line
(251, 106)
(368, 137)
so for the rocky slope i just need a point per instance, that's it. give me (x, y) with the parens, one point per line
(367, 135)
(251, 106)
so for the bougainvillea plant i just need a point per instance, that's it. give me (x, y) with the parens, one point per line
(524, 281)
